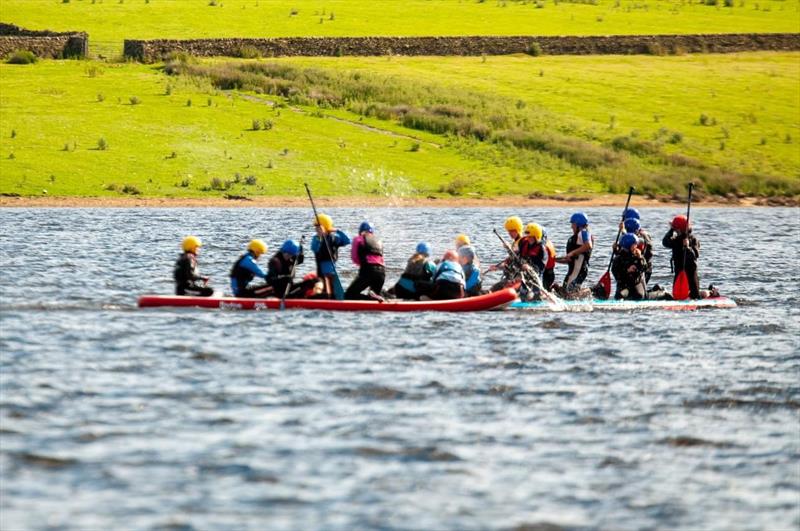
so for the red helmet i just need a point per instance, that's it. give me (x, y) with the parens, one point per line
(680, 223)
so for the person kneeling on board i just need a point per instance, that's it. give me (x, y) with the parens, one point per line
(534, 256)
(448, 280)
(471, 267)
(632, 225)
(367, 254)
(188, 280)
(579, 251)
(513, 226)
(281, 268)
(685, 253)
(629, 269)
(416, 280)
(245, 269)
(327, 255)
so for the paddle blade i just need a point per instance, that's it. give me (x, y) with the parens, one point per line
(604, 286)
(338, 290)
(680, 288)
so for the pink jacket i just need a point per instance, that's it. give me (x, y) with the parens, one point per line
(358, 241)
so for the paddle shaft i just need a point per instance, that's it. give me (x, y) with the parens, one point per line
(291, 275)
(688, 213)
(325, 238)
(619, 232)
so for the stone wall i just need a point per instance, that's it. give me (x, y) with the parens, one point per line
(45, 44)
(155, 50)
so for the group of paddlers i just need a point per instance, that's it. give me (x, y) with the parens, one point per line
(529, 267)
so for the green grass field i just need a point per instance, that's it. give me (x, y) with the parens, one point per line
(51, 123)
(108, 22)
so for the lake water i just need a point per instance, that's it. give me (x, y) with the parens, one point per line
(113, 417)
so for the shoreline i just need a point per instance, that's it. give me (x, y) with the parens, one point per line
(601, 200)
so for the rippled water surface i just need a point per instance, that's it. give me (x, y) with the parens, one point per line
(115, 417)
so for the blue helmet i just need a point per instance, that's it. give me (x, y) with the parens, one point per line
(290, 247)
(423, 248)
(631, 213)
(628, 241)
(366, 226)
(632, 225)
(579, 219)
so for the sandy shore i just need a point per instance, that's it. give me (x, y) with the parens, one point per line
(366, 201)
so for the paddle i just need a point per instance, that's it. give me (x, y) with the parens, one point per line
(291, 276)
(338, 291)
(534, 277)
(605, 280)
(680, 288)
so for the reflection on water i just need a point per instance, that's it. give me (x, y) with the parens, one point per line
(112, 416)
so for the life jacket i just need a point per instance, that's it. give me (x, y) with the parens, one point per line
(551, 255)
(371, 246)
(185, 272)
(450, 272)
(323, 255)
(243, 276)
(533, 252)
(572, 242)
(416, 270)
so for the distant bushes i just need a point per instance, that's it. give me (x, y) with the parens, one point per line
(22, 57)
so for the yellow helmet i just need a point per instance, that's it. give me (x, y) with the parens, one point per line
(513, 223)
(257, 246)
(534, 229)
(191, 243)
(462, 239)
(324, 221)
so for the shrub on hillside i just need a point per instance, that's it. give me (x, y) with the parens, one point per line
(22, 57)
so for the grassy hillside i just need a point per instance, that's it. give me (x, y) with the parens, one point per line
(509, 125)
(108, 22)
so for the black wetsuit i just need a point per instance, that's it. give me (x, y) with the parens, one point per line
(630, 284)
(187, 277)
(684, 257)
(280, 271)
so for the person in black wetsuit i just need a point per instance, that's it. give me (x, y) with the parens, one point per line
(188, 280)
(629, 268)
(685, 252)
(281, 268)
(579, 251)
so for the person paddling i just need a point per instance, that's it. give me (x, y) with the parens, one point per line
(327, 255)
(367, 254)
(448, 280)
(245, 269)
(472, 270)
(534, 257)
(629, 269)
(188, 280)
(685, 253)
(579, 251)
(281, 268)
(513, 226)
(416, 279)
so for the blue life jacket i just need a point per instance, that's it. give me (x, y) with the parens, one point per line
(450, 272)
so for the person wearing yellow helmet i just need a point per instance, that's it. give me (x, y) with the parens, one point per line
(513, 226)
(188, 280)
(462, 240)
(245, 269)
(326, 255)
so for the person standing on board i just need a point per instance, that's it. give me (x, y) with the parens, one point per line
(188, 280)
(327, 255)
(629, 268)
(472, 270)
(579, 251)
(245, 269)
(416, 279)
(280, 269)
(448, 280)
(367, 254)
